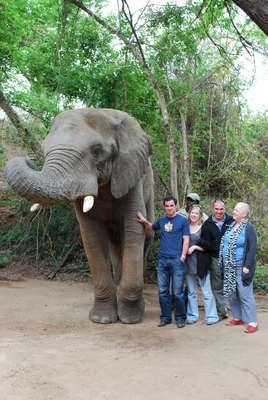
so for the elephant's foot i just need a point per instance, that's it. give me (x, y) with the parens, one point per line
(104, 312)
(131, 312)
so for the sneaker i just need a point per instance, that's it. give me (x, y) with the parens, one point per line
(212, 322)
(190, 322)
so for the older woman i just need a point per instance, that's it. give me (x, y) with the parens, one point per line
(238, 259)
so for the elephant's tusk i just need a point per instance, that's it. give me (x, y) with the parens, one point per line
(88, 203)
(35, 207)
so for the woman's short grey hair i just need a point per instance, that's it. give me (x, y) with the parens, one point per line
(245, 207)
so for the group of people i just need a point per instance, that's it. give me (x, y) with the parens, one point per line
(218, 252)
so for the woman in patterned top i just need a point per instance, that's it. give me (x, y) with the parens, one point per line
(238, 260)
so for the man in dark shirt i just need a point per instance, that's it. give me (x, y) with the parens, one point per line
(190, 200)
(174, 243)
(211, 233)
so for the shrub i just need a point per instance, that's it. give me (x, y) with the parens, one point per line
(261, 279)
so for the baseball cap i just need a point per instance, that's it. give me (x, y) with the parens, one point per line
(193, 196)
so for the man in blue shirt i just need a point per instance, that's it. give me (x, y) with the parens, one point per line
(174, 243)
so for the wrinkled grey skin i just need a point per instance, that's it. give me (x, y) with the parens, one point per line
(104, 153)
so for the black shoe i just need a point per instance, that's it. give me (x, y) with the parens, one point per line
(180, 324)
(163, 323)
(222, 317)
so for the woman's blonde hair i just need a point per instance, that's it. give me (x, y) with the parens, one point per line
(198, 207)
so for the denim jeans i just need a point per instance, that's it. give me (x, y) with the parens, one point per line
(242, 302)
(171, 270)
(211, 315)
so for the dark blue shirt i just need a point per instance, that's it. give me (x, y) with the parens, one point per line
(172, 231)
(219, 223)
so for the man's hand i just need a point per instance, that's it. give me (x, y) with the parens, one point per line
(245, 270)
(141, 218)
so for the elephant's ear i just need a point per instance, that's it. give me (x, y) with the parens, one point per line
(130, 164)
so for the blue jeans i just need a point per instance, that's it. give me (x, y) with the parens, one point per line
(171, 269)
(242, 302)
(211, 315)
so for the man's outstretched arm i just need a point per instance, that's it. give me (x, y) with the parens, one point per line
(147, 224)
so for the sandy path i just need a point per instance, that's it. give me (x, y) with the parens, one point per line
(49, 350)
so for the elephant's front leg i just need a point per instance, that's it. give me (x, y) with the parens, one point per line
(95, 240)
(130, 298)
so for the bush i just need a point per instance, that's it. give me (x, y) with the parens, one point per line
(261, 279)
(4, 259)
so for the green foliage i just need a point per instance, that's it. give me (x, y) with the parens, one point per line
(11, 31)
(256, 131)
(261, 279)
(4, 259)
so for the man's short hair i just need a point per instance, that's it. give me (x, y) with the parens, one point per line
(214, 201)
(170, 198)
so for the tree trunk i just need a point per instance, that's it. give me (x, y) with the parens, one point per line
(210, 126)
(173, 154)
(187, 180)
(24, 133)
(257, 10)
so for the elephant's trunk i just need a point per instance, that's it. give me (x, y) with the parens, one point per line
(36, 186)
(48, 185)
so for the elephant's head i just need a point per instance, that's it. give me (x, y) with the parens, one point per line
(84, 149)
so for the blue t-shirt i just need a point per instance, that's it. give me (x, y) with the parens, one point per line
(172, 231)
(219, 223)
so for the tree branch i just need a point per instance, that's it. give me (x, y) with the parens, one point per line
(26, 136)
(257, 10)
(245, 43)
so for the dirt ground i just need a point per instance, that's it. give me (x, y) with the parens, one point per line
(49, 350)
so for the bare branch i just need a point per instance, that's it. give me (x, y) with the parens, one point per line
(26, 136)
(220, 48)
(245, 43)
(129, 19)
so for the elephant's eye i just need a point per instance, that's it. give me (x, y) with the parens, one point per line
(96, 150)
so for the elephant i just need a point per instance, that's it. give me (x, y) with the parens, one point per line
(99, 160)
